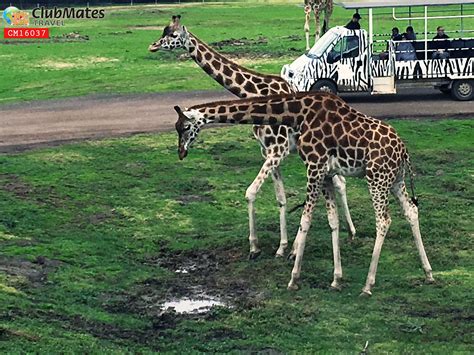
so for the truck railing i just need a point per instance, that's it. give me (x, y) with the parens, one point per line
(455, 47)
(422, 33)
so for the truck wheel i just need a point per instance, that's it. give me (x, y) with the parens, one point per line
(463, 90)
(325, 86)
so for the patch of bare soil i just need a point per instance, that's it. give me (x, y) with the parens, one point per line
(71, 36)
(65, 37)
(35, 273)
(43, 196)
(199, 275)
(147, 28)
(244, 41)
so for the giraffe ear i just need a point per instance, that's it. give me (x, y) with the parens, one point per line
(179, 16)
(178, 110)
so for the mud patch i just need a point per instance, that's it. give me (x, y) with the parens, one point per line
(147, 28)
(43, 196)
(244, 41)
(76, 63)
(71, 37)
(200, 284)
(187, 199)
(21, 271)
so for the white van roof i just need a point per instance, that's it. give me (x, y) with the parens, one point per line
(367, 4)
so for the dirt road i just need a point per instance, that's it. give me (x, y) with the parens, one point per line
(28, 125)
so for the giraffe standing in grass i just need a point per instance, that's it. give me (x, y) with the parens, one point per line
(334, 139)
(317, 7)
(247, 83)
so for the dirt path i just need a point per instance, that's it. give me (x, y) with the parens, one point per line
(27, 125)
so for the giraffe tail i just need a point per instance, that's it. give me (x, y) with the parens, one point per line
(411, 175)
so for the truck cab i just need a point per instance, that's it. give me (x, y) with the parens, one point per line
(338, 62)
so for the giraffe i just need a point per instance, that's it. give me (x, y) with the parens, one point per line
(247, 83)
(334, 139)
(317, 6)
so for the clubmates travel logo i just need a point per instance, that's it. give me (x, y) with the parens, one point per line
(14, 17)
(42, 16)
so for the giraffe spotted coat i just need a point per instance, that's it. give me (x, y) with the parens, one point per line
(334, 139)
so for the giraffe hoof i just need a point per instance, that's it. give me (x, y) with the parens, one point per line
(365, 294)
(279, 256)
(430, 280)
(351, 236)
(336, 287)
(254, 254)
(293, 287)
(291, 257)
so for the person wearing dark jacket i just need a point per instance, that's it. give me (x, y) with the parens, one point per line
(441, 44)
(354, 23)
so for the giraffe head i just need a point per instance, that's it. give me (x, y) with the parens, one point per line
(174, 36)
(188, 126)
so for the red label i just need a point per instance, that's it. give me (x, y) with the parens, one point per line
(26, 32)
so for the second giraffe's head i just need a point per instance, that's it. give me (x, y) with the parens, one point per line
(174, 36)
(188, 126)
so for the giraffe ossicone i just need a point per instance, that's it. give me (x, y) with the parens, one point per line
(334, 139)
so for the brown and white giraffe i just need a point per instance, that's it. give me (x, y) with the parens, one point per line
(317, 7)
(334, 139)
(247, 83)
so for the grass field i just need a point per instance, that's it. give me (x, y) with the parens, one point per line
(115, 59)
(92, 233)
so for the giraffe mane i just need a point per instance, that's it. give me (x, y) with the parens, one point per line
(225, 60)
(262, 99)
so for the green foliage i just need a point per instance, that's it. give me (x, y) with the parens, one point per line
(91, 235)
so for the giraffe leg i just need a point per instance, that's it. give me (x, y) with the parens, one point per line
(340, 185)
(315, 176)
(281, 198)
(327, 15)
(317, 19)
(271, 162)
(379, 196)
(411, 214)
(307, 14)
(333, 219)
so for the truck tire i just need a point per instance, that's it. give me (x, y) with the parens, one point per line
(325, 86)
(463, 90)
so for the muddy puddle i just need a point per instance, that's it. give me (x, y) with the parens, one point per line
(203, 283)
(193, 305)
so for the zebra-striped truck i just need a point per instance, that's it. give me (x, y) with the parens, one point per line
(344, 60)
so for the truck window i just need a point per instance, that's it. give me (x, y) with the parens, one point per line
(350, 47)
(346, 47)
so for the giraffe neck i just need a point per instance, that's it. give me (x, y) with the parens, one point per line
(288, 110)
(235, 78)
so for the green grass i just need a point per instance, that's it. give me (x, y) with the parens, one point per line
(115, 59)
(91, 234)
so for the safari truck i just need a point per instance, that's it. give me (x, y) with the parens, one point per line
(344, 60)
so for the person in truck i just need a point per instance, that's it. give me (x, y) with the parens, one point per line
(440, 44)
(354, 23)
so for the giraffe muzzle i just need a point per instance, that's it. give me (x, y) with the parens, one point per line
(182, 152)
(154, 47)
